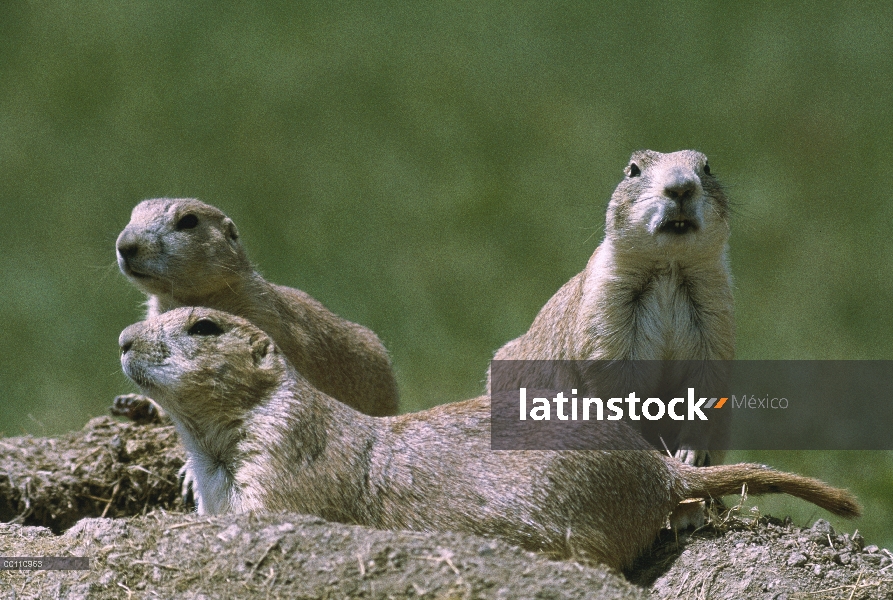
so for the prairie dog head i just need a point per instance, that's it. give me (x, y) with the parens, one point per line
(670, 203)
(203, 366)
(180, 248)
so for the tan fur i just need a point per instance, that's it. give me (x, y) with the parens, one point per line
(205, 265)
(647, 293)
(261, 438)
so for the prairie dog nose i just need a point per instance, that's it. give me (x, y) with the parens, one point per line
(125, 340)
(681, 185)
(127, 245)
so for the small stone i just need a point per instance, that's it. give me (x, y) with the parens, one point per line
(837, 575)
(822, 526)
(797, 559)
(829, 554)
(871, 549)
(820, 532)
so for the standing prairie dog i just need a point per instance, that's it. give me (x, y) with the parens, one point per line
(183, 252)
(657, 288)
(261, 438)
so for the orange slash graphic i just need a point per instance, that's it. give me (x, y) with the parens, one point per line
(720, 403)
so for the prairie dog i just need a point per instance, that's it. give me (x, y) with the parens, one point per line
(183, 252)
(261, 438)
(657, 288)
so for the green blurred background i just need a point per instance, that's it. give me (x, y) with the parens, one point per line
(436, 171)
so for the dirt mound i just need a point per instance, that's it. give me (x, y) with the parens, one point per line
(123, 470)
(291, 556)
(106, 469)
(763, 557)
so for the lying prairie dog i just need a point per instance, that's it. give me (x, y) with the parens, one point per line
(261, 438)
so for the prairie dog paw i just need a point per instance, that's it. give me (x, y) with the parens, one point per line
(138, 408)
(698, 458)
(187, 484)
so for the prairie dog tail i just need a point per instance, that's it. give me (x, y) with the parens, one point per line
(713, 482)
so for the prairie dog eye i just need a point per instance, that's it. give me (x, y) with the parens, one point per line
(204, 327)
(633, 170)
(188, 221)
(707, 168)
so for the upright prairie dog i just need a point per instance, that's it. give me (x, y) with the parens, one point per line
(261, 438)
(657, 288)
(183, 252)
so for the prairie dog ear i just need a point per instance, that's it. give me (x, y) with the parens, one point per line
(263, 353)
(232, 233)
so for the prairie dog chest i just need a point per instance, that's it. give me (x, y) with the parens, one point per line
(669, 318)
(661, 315)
